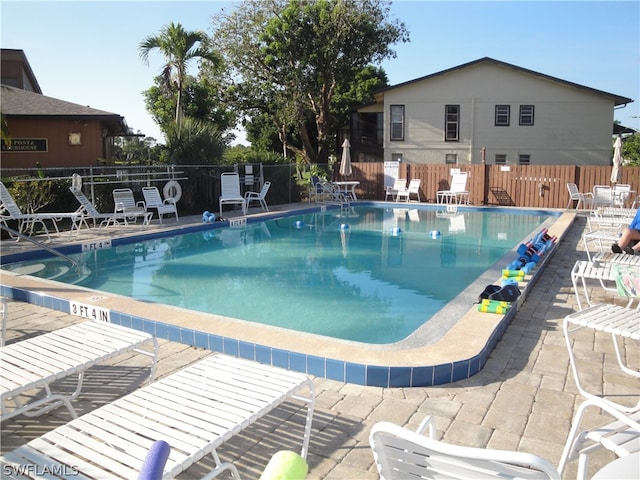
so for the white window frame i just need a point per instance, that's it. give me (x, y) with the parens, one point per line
(452, 119)
(502, 115)
(500, 159)
(524, 159)
(527, 115)
(396, 123)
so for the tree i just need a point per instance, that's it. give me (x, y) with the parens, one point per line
(194, 142)
(287, 59)
(201, 101)
(179, 47)
(631, 149)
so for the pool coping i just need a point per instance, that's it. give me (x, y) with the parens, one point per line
(455, 356)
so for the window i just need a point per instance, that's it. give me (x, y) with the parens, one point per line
(524, 159)
(503, 115)
(501, 159)
(526, 114)
(396, 157)
(451, 158)
(397, 122)
(452, 123)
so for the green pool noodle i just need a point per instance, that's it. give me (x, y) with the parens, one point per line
(285, 465)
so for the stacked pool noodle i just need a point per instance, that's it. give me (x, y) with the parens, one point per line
(530, 254)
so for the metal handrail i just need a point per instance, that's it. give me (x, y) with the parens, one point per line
(11, 231)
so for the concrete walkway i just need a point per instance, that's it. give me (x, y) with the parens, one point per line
(523, 399)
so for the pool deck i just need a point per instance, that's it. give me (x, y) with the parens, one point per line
(523, 399)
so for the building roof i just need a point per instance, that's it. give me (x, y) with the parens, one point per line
(16, 102)
(618, 99)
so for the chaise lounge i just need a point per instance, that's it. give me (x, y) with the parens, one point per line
(36, 363)
(195, 411)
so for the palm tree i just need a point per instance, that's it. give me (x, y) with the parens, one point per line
(178, 47)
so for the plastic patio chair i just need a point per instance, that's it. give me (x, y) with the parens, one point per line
(153, 199)
(457, 193)
(586, 199)
(258, 196)
(400, 453)
(230, 191)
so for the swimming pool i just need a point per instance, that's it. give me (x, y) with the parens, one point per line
(368, 274)
(454, 345)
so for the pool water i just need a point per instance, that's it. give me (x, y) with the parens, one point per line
(367, 274)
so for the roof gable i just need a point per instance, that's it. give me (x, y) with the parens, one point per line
(18, 102)
(619, 100)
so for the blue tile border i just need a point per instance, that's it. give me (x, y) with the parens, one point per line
(339, 370)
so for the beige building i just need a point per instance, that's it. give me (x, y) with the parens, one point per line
(487, 111)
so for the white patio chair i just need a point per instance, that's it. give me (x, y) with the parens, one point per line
(258, 196)
(125, 203)
(405, 193)
(622, 323)
(457, 192)
(620, 195)
(92, 213)
(622, 436)
(230, 191)
(602, 196)
(399, 185)
(414, 189)
(152, 199)
(583, 199)
(400, 453)
(9, 210)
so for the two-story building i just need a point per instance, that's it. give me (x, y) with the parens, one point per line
(487, 111)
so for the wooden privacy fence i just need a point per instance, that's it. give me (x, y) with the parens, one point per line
(536, 186)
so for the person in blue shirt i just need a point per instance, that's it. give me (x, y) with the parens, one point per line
(629, 235)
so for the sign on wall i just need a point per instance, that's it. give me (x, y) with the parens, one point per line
(25, 145)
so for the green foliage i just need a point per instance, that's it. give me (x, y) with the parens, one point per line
(35, 195)
(193, 142)
(201, 101)
(631, 149)
(178, 47)
(287, 60)
(137, 150)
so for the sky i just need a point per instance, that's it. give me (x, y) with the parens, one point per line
(86, 52)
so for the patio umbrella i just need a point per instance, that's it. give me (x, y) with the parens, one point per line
(616, 172)
(345, 163)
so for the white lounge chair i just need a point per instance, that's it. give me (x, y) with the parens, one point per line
(621, 436)
(152, 199)
(400, 454)
(126, 204)
(457, 192)
(617, 321)
(575, 195)
(230, 191)
(259, 197)
(92, 213)
(399, 185)
(37, 362)
(27, 221)
(194, 410)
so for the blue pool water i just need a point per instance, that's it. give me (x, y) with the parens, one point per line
(371, 274)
